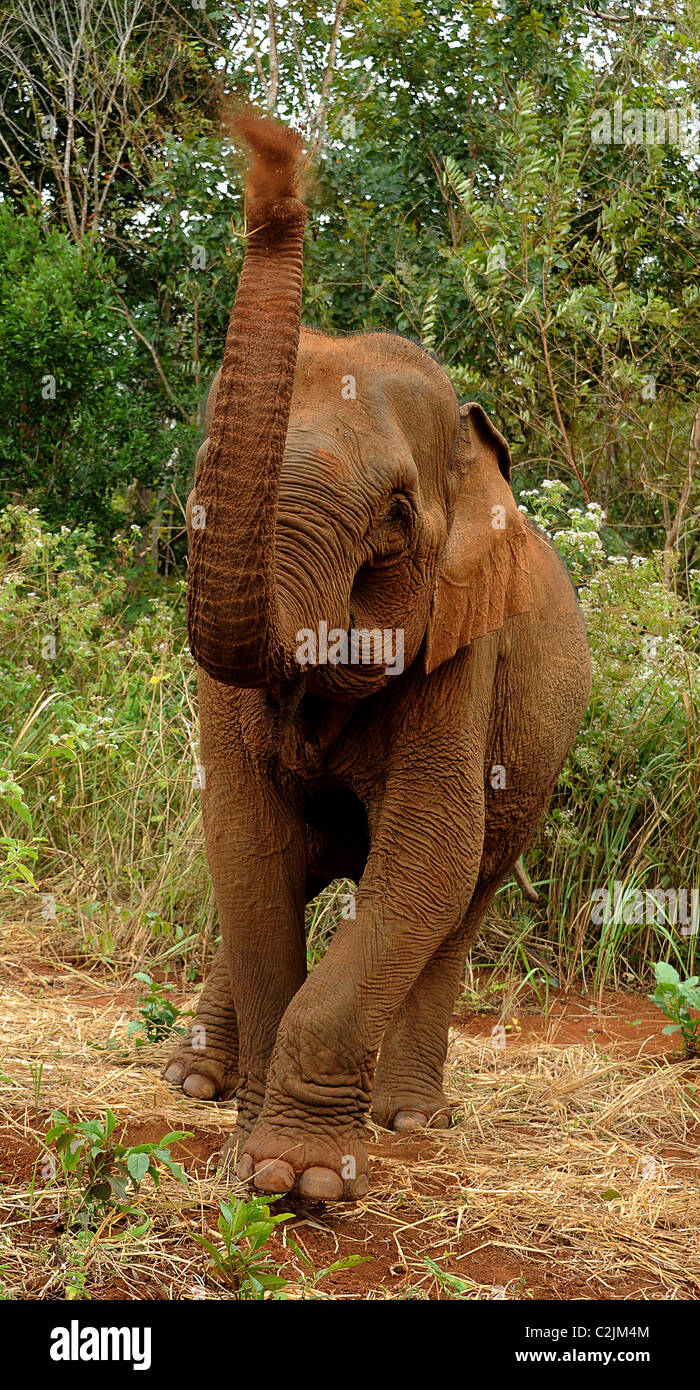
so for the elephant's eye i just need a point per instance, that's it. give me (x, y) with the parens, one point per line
(399, 509)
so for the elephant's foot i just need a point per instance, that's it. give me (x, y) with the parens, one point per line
(202, 1075)
(329, 1167)
(407, 1108)
(206, 1064)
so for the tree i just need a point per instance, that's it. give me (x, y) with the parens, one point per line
(79, 425)
(88, 89)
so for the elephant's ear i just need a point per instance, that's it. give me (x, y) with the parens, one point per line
(483, 577)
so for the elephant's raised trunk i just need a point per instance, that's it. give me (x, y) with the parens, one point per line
(236, 627)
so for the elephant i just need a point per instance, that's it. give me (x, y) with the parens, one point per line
(392, 667)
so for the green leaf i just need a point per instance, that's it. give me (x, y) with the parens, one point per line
(348, 1262)
(209, 1247)
(666, 974)
(270, 1281)
(174, 1137)
(299, 1252)
(173, 1167)
(138, 1165)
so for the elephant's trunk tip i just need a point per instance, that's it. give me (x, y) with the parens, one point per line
(275, 152)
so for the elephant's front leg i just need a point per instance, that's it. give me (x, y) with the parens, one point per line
(419, 879)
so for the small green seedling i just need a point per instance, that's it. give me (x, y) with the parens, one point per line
(76, 1285)
(451, 1284)
(313, 1278)
(17, 857)
(675, 997)
(102, 1174)
(36, 1072)
(245, 1227)
(158, 1015)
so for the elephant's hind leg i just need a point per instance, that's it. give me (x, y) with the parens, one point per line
(206, 1065)
(408, 1083)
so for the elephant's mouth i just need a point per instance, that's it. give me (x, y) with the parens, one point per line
(373, 593)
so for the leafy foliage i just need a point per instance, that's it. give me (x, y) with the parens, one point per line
(626, 805)
(97, 716)
(676, 997)
(101, 1173)
(241, 1260)
(77, 427)
(158, 1015)
(19, 855)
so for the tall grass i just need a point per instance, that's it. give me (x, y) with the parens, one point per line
(627, 806)
(100, 734)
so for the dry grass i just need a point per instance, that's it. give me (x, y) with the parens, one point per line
(510, 1201)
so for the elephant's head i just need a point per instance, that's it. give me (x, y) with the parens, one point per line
(341, 489)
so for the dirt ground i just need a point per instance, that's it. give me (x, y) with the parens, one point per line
(571, 1170)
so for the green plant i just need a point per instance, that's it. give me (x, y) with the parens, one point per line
(20, 856)
(158, 1015)
(675, 997)
(102, 1173)
(482, 999)
(323, 915)
(98, 800)
(451, 1284)
(626, 809)
(75, 1286)
(245, 1227)
(77, 1275)
(311, 1281)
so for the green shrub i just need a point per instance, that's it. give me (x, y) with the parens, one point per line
(676, 997)
(627, 806)
(97, 711)
(242, 1260)
(158, 1015)
(100, 1173)
(79, 424)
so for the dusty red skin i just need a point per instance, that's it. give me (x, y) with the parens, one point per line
(379, 507)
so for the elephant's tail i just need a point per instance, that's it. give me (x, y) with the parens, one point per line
(524, 884)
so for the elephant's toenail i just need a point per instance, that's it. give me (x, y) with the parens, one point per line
(175, 1074)
(244, 1168)
(405, 1120)
(274, 1175)
(201, 1087)
(323, 1184)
